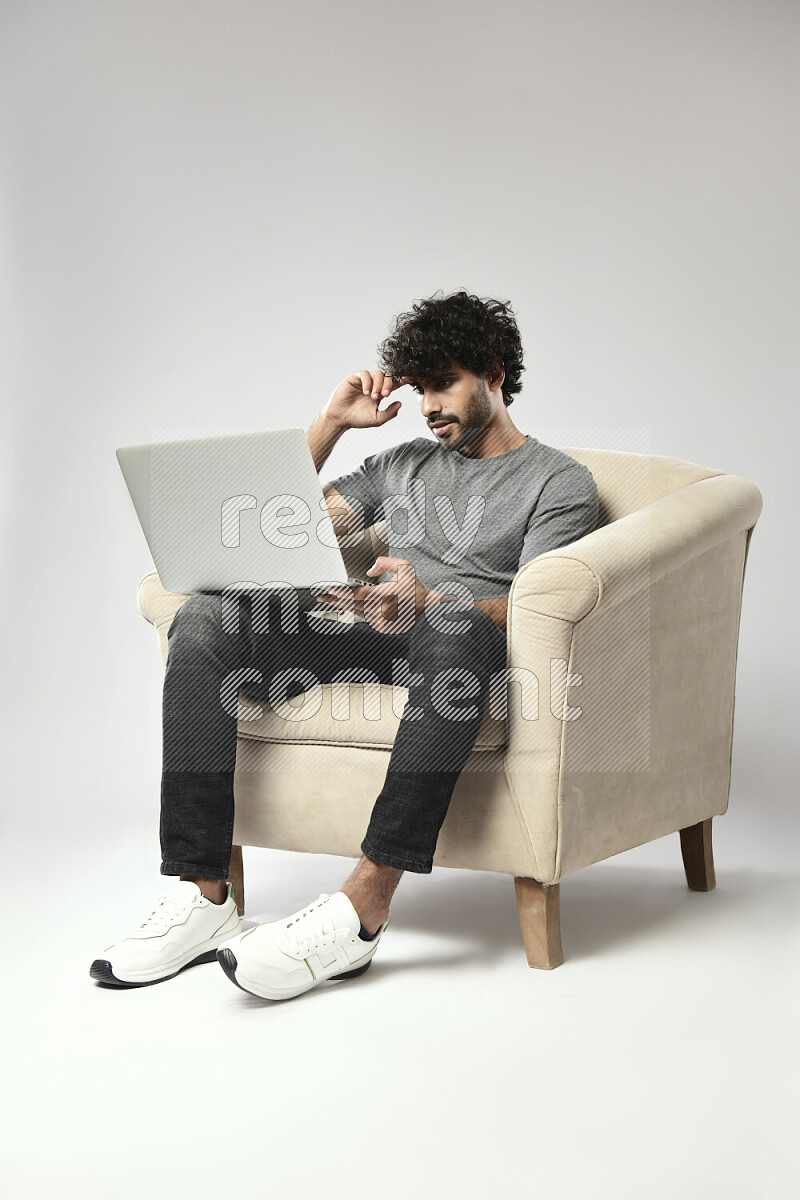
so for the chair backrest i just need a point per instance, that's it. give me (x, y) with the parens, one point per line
(627, 482)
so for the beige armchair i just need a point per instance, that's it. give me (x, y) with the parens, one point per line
(615, 726)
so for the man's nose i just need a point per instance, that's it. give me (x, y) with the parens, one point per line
(430, 405)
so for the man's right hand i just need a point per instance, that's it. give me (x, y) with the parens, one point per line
(354, 404)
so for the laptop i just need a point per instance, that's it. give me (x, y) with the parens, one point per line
(239, 511)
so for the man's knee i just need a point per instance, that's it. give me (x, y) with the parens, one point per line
(197, 612)
(208, 618)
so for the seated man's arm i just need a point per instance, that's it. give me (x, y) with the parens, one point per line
(348, 523)
(566, 510)
(495, 606)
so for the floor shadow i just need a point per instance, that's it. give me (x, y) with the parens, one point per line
(473, 913)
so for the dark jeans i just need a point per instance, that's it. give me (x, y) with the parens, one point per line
(218, 644)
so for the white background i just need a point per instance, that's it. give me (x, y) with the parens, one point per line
(210, 213)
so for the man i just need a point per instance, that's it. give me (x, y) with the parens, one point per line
(465, 509)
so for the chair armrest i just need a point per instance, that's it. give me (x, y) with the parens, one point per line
(158, 606)
(584, 789)
(618, 559)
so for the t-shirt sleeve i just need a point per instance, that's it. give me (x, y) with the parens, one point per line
(369, 483)
(567, 510)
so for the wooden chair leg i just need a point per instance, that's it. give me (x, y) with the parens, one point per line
(698, 856)
(540, 921)
(236, 877)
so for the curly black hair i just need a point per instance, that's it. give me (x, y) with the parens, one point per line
(478, 334)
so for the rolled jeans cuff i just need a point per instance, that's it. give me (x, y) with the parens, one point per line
(202, 871)
(406, 819)
(388, 859)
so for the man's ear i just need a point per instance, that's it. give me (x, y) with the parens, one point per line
(498, 372)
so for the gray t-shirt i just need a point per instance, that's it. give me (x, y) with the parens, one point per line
(472, 521)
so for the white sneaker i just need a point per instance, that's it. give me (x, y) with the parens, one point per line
(184, 928)
(281, 959)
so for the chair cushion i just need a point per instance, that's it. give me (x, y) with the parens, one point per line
(349, 715)
(320, 717)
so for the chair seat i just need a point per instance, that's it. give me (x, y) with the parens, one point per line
(322, 718)
(356, 715)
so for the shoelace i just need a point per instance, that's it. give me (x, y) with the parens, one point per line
(310, 928)
(167, 909)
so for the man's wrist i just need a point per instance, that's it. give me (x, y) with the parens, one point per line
(434, 597)
(330, 424)
(322, 435)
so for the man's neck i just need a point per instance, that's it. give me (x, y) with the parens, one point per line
(493, 441)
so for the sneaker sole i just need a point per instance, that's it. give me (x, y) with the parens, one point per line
(227, 960)
(102, 972)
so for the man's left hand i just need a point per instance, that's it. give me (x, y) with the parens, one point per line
(393, 607)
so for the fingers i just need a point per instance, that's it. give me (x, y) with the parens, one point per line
(371, 601)
(366, 381)
(377, 383)
(396, 382)
(389, 608)
(388, 413)
(386, 563)
(340, 596)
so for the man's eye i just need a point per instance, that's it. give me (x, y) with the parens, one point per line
(437, 385)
